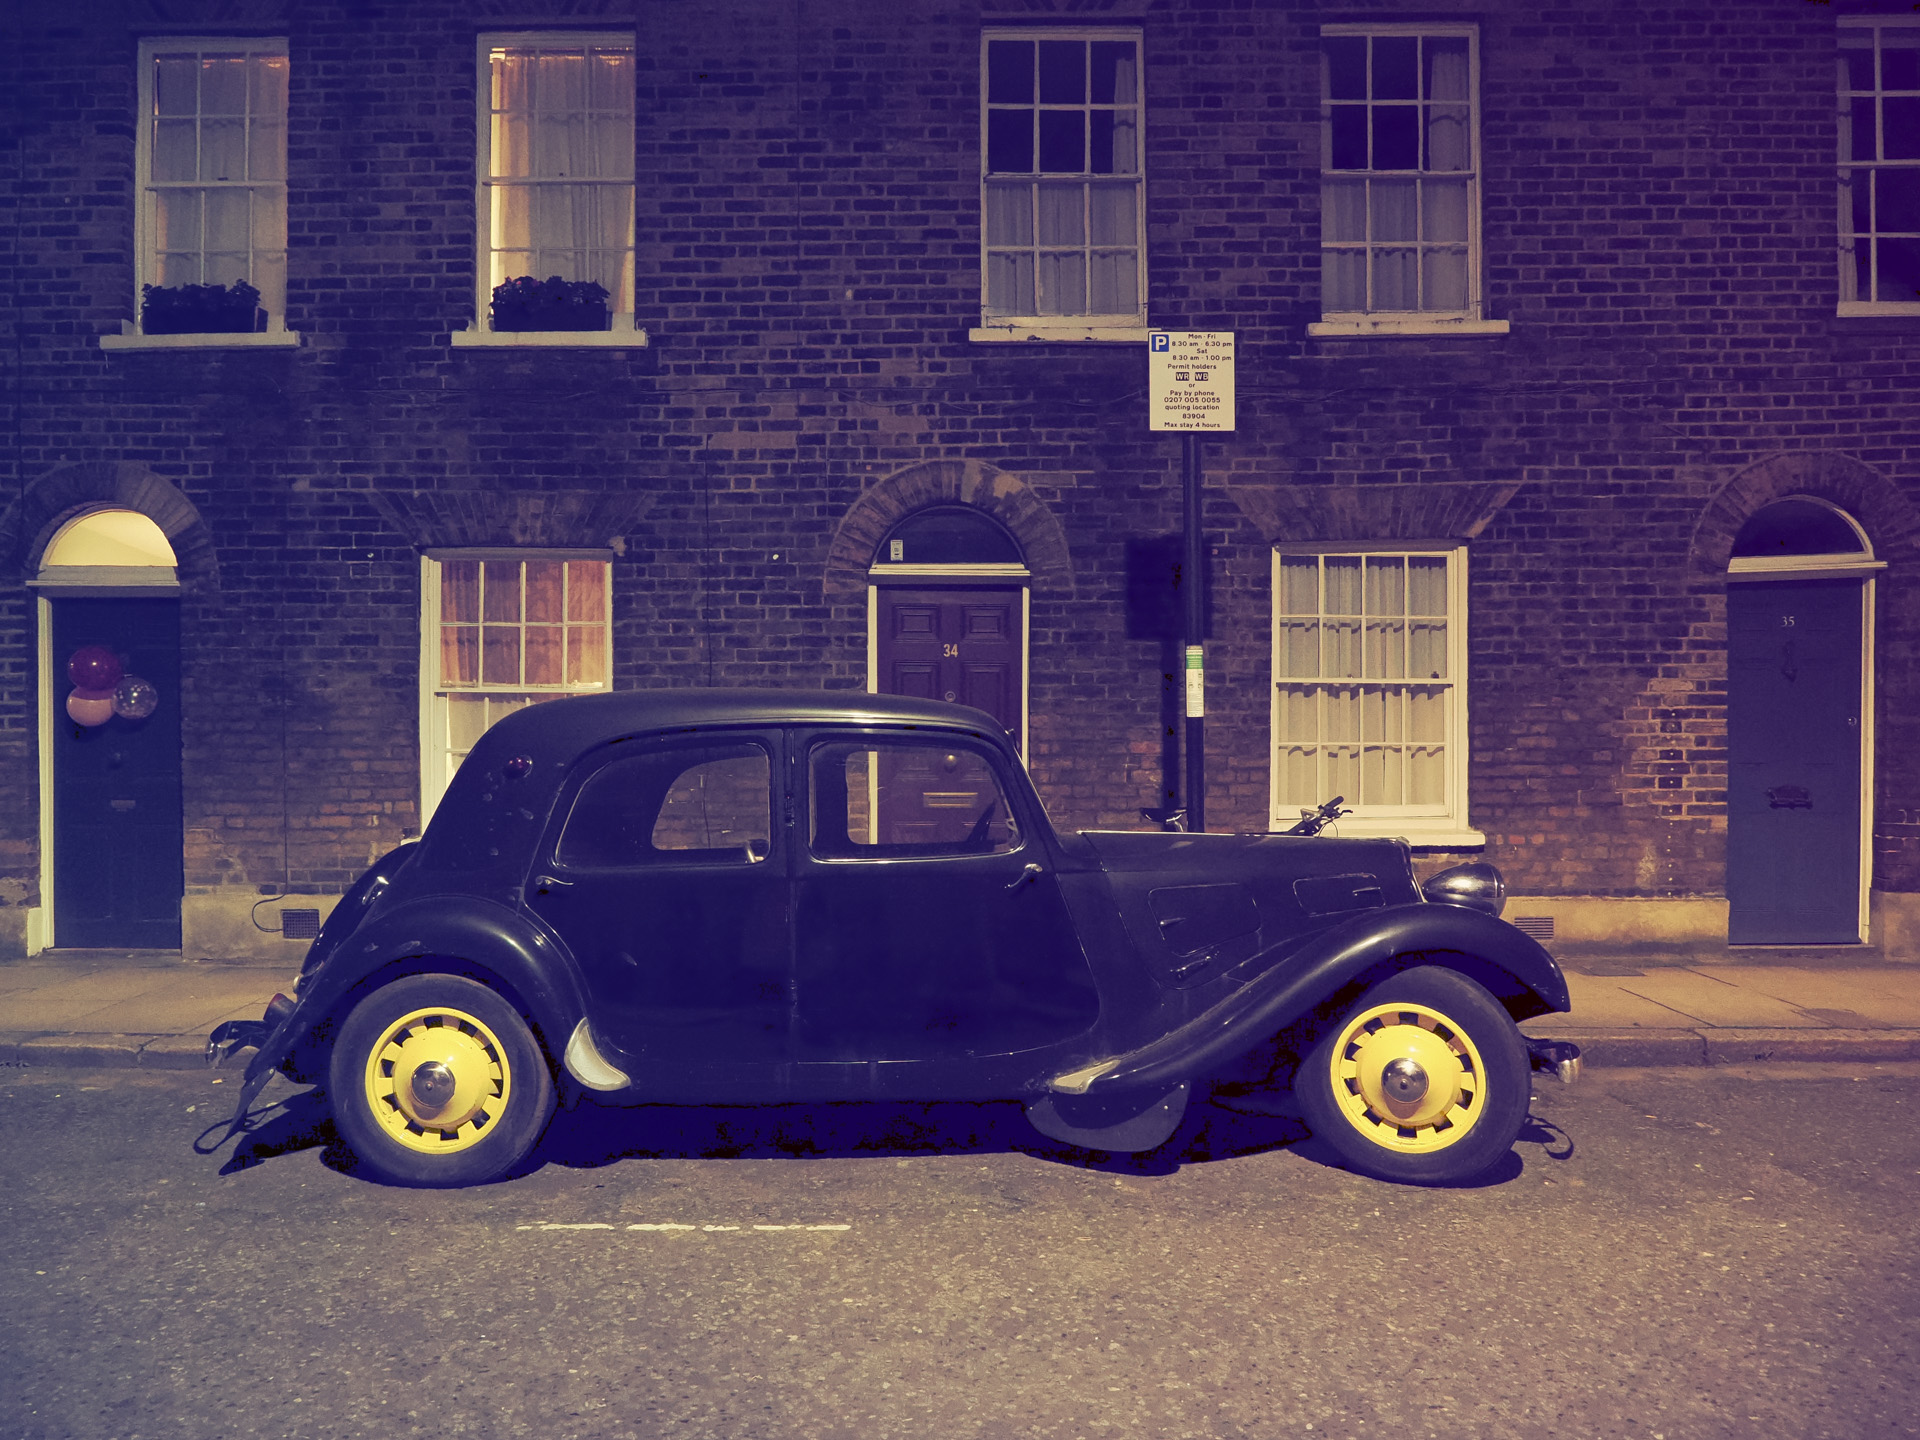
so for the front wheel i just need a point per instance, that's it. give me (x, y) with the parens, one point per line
(1424, 1080)
(436, 1081)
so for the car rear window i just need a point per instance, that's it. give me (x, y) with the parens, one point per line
(675, 805)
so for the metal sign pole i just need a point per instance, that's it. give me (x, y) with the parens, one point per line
(1192, 582)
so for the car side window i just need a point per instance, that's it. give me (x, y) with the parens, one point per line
(887, 799)
(674, 805)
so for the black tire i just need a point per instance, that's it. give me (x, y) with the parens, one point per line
(498, 1091)
(1469, 1114)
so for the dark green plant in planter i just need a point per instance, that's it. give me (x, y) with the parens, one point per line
(201, 309)
(524, 303)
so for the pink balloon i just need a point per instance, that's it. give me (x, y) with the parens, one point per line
(83, 710)
(94, 667)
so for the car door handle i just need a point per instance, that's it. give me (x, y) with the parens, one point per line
(543, 883)
(1029, 873)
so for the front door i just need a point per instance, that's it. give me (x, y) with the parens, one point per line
(118, 870)
(959, 643)
(1793, 762)
(668, 883)
(930, 931)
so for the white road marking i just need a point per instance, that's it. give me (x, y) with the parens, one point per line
(669, 1225)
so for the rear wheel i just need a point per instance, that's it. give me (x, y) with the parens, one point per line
(1424, 1080)
(437, 1081)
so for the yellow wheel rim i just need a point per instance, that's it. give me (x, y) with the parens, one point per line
(1408, 1078)
(438, 1080)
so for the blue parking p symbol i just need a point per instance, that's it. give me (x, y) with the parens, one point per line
(1159, 342)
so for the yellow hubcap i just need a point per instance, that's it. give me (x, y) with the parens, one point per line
(1408, 1078)
(438, 1080)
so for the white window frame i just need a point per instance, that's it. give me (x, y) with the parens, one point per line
(1130, 328)
(437, 759)
(146, 261)
(1850, 303)
(1440, 826)
(622, 334)
(1468, 321)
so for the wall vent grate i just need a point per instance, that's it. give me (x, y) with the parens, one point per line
(299, 924)
(1537, 927)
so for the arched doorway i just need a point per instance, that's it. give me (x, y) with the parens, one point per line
(111, 820)
(1799, 725)
(947, 613)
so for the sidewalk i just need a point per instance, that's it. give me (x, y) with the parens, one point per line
(96, 1007)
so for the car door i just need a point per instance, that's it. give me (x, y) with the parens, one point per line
(930, 934)
(666, 878)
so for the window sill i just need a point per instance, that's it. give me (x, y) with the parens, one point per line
(1853, 309)
(1441, 836)
(263, 340)
(630, 338)
(1361, 327)
(1025, 330)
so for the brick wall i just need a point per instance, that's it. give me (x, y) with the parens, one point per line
(1657, 228)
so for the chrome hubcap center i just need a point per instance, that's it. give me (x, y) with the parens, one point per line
(433, 1085)
(1404, 1080)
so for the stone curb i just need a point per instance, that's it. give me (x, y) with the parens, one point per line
(1609, 1049)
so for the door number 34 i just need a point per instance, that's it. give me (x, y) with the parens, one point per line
(952, 652)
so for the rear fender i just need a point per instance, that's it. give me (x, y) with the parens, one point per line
(1519, 973)
(455, 935)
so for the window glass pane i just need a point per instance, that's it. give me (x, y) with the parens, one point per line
(267, 86)
(459, 654)
(176, 85)
(1113, 77)
(1443, 210)
(1342, 585)
(1010, 72)
(1113, 211)
(1063, 283)
(223, 85)
(500, 655)
(1010, 284)
(1300, 585)
(1856, 60)
(882, 799)
(1063, 141)
(1445, 57)
(229, 225)
(1443, 280)
(1300, 649)
(267, 150)
(1866, 144)
(500, 590)
(1343, 280)
(1899, 57)
(545, 655)
(1062, 214)
(718, 804)
(610, 81)
(1897, 201)
(1113, 283)
(705, 804)
(1900, 127)
(546, 590)
(586, 590)
(175, 152)
(1448, 137)
(1343, 210)
(1395, 67)
(1347, 138)
(1897, 263)
(1395, 278)
(1346, 67)
(1395, 209)
(1396, 137)
(1063, 72)
(460, 591)
(1010, 142)
(177, 225)
(223, 150)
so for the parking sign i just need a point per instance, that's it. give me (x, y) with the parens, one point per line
(1190, 379)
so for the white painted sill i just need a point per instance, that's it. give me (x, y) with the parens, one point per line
(1848, 309)
(1438, 838)
(260, 340)
(1361, 327)
(1024, 330)
(629, 337)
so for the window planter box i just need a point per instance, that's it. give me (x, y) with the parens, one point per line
(201, 310)
(553, 304)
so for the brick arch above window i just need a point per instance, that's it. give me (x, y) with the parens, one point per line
(1890, 520)
(1005, 497)
(31, 522)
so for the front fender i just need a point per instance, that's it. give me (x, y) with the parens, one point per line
(460, 934)
(1334, 959)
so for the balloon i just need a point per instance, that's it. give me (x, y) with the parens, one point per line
(135, 699)
(94, 667)
(83, 708)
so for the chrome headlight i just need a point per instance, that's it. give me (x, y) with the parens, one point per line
(1476, 885)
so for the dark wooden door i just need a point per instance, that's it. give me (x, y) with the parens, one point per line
(1793, 762)
(958, 644)
(117, 835)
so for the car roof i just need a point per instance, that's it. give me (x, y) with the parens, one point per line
(490, 812)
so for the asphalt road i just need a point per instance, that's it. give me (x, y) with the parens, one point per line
(1669, 1255)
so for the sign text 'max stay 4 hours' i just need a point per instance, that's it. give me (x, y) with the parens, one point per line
(1190, 379)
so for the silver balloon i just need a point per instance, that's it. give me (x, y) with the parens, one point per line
(135, 699)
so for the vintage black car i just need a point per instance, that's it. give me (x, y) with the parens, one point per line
(758, 896)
